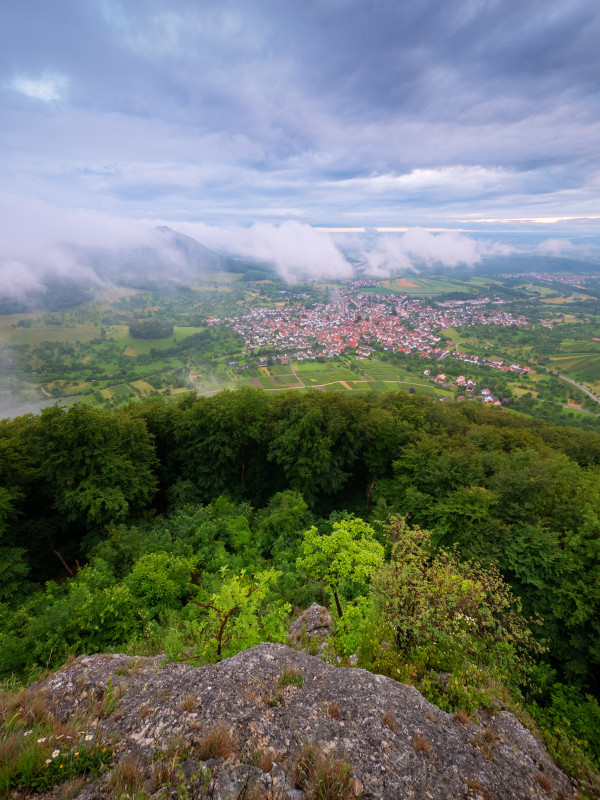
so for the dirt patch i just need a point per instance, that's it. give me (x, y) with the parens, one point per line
(345, 385)
(266, 371)
(406, 284)
(256, 382)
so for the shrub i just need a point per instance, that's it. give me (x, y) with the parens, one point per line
(235, 618)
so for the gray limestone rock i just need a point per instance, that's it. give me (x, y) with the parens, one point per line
(312, 626)
(396, 743)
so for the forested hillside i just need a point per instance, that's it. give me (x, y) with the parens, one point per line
(445, 538)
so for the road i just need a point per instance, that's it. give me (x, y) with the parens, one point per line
(300, 381)
(580, 386)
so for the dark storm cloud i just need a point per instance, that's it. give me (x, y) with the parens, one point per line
(339, 111)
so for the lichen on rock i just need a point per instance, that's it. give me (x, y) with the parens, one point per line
(394, 742)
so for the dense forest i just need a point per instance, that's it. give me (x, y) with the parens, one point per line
(444, 537)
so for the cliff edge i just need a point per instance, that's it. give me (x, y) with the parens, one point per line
(272, 722)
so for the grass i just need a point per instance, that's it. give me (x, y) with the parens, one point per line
(120, 333)
(217, 742)
(333, 711)
(39, 751)
(388, 720)
(420, 743)
(290, 676)
(263, 759)
(413, 285)
(40, 332)
(462, 717)
(189, 703)
(323, 777)
(128, 777)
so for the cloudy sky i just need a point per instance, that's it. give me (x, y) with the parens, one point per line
(439, 113)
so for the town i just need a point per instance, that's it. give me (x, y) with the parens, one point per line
(357, 323)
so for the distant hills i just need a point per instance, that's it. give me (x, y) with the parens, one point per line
(169, 258)
(173, 258)
(523, 262)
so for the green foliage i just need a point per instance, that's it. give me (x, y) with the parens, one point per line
(36, 759)
(452, 611)
(290, 677)
(572, 717)
(97, 465)
(348, 556)
(314, 442)
(150, 329)
(240, 615)
(83, 484)
(160, 581)
(280, 524)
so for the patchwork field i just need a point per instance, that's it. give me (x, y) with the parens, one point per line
(534, 288)
(572, 298)
(39, 331)
(417, 286)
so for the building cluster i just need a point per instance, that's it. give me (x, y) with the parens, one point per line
(353, 322)
(469, 385)
(550, 277)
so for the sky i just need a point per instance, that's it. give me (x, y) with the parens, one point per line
(471, 115)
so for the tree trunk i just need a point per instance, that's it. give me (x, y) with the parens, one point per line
(61, 559)
(369, 495)
(337, 603)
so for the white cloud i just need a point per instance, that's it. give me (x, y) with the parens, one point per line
(555, 247)
(47, 88)
(298, 251)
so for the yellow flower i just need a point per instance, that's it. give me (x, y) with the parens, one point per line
(61, 766)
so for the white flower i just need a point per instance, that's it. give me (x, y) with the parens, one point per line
(48, 761)
(43, 739)
(28, 732)
(89, 737)
(55, 753)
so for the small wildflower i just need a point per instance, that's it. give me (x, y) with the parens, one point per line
(55, 753)
(60, 737)
(89, 737)
(61, 766)
(28, 732)
(77, 753)
(43, 739)
(104, 749)
(48, 761)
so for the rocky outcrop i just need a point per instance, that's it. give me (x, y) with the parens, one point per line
(275, 705)
(311, 628)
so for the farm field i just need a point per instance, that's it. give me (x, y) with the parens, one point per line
(583, 367)
(413, 285)
(39, 332)
(568, 298)
(134, 346)
(533, 288)
(85, 353)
